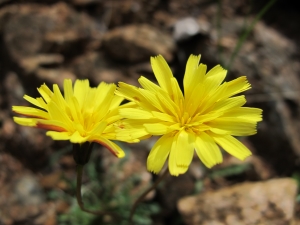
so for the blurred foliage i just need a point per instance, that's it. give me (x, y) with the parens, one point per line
(296, 176)
(231, 170)
(100, 193)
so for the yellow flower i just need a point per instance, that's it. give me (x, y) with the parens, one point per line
(84, 114)
(205, 117)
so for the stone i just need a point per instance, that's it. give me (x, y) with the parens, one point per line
(21, 196)
(38, 38)
(134, 43)
(185, 28)
(268, 203)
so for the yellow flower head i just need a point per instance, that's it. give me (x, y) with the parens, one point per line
(205, 117)
(83, 114)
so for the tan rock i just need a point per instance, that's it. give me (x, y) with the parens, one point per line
(269, 203)
(138, 42)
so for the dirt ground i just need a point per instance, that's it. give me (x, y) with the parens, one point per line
(49, 41)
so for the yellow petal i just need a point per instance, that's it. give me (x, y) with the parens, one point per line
(34, 101)
(184, 149)
(213, 79)
(177, 95)
(40, 123)
(81, 88)
(207, 150)
(116, 101)
(58, 114)
(99, 128)
(189, 75)
(219, 131)
(58, 136)
(159, 153)
(112, 147)
(156, 128)
(162, 73)
(236, 86)
(151, 99)
(45, 92)
(218, 72)
(164, 116)
(58, 98)
(25, 121)
(247, 113)
(68, 90)
(168, 105)
(32, 112)
(102, 105)
(148, 85)
(174, 168)
(232, 146)
(236, 126)
(135, 113)
(76, 137)
(228, 104)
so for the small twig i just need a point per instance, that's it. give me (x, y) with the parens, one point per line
(248, 31)
(132, 211)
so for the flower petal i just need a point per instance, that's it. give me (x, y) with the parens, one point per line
(29, 111)
(129, 130)
(81, 88)
(156, 128)
(68, 90)
(35, 102)
(164, 116)
(228, 104)
(247, 113)
(177, 95)
(184, 148)
(45, 92)
(112, 147)
(99, 128)
(207, 150)
(159, 153)
(189, 75)
(132, 113)
(236, 86)
(148, 85)
(174, 168)
(60, 115)
(232, 146)
(58, 136)
(162, 73)
(58, 98)
(25, 121)
(236, 126)
(76, 137)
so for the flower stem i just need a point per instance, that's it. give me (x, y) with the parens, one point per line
(246, 33)
(79, 196)
(132, 211)
(78, 191)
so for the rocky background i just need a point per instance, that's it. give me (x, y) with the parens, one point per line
(48, 41)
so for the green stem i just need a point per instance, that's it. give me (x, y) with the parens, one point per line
(219, 30)
(79, 196)
(248, 31)
(132, 211)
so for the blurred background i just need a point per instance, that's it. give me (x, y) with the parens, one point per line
(48, 41)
